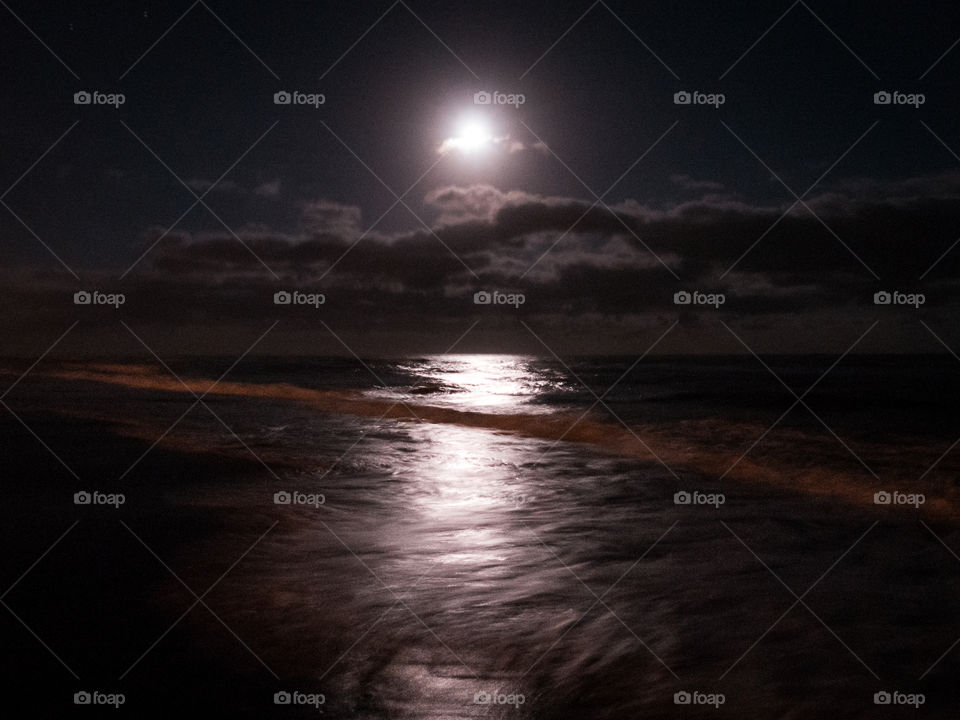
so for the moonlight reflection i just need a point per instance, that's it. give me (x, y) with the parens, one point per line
(488, 383)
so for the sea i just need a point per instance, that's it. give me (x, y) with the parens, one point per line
(458, 536)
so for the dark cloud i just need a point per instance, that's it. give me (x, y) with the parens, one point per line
(599, 273)
(501, 234)
(269, 189)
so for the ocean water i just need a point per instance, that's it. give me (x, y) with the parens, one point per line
(507, 528)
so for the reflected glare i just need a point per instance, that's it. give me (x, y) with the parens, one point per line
(488, 380)
(488, 383)
(467, 480)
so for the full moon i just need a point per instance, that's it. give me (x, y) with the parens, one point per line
(472, 136)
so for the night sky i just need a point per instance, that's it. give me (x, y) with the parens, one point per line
(598, 198)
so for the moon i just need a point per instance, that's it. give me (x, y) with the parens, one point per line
(473, 136)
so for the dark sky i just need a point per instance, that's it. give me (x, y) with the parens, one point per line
(699, 196)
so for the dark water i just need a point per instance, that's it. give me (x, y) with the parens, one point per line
(487, 525)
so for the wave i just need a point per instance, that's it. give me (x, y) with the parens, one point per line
(714, 448)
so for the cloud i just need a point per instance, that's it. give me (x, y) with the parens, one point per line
(516, 146)
(268, 189)
(456, 203)
(499, 143)
(331, 218)
(504, 232)
(583, 268)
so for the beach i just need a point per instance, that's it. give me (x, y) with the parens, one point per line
(451, 557)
